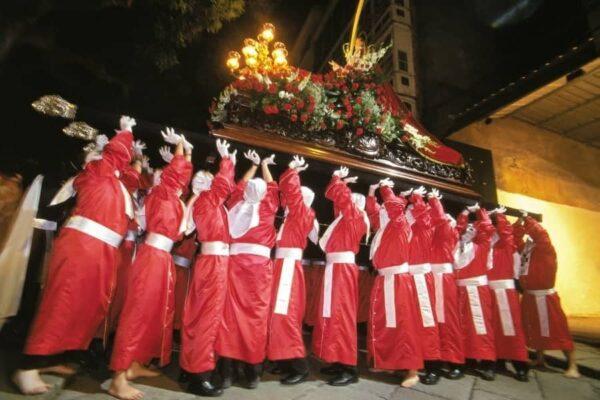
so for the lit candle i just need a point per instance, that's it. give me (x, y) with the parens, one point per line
(249, 48)
(268, 32)
(233, 61)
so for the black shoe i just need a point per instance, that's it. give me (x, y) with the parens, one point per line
(184, 377)
(430, 378)
(455, 373)
(344, 378)
(204, 388)
(279, 369)
(522, 375)
(294, 378)
(487, 374)
(333, 369)
(253, 383)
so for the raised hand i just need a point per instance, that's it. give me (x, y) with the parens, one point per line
(139, 147)
(407, 192)
(170, 136)
(233, 157)
(351, 179)
(342, 172)
(101, 141)
(474, 207)
(223, 148)
(498, 210)
(434, 193)
(296, 162)
(269, 160)
(252, 155)
(386, 182)
(166, 154)
(187, 146)
(127, 123)
(146, 163)
(420, 191)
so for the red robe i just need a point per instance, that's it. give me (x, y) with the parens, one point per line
(203, 308)
(183, 258)
(131, 179)
(366, 280)
(334, 336)
(392, 340)
(288, 298)
(447, 313)
(508, 331)
(314, 282)
(243, 332)
(82, 268)
(544, 321)
(146, 322)
(475, 301)
(420, 257)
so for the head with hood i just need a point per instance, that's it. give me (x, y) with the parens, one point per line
(202, 181)
(308, 196)
(451, 221)
(359, 200)
(156, 177)
(119, 150)
(255, 190)
(176, 175)
(469, 234)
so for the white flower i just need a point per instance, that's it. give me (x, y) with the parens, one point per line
(285, 95)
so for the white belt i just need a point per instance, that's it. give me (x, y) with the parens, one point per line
(343, 257)
(502, 284)
(419, 268)
(216, 248)
(182, 261)
(418, 272)
(542, 308)
(389, 291)
(289, 255)
(499, 287)
(94, 229)
(131, 236)
(438, 282)
(159, 241)
(44, 224)
(249, 248)
(471, 284)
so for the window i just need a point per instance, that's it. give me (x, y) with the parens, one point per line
(402, 60)
(405, 81)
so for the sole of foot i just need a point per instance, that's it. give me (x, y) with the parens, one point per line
(29, 382)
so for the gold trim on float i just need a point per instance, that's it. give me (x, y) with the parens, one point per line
(255, 137)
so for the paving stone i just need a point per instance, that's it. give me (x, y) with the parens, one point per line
(509, 387)
(412, 394)
(449, 389)
(555, 386)
(479, 394)
(9, 392)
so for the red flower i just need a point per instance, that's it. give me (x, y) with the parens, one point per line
(272, 88)
(359, 131)
(378, 131)
(339, 125)
(287, 106)
(349, 114)
(355, 86)
(405, 138)
(303, 117)
(300, 105)
(359, 100)
(294, 117)
(275, 109)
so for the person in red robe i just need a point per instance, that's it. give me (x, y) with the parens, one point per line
(205, 300)
(82, 268)
(445, 238)
(145, 327)
(243, 332)
(544, 321)
(285, 343)
(184, 253)
(334, 336)
(394, 328)
(508, 330)
(474, 296)
(420, 269)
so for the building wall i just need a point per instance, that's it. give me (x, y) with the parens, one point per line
(544, 172)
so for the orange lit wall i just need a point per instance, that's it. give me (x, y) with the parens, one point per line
(544, 172)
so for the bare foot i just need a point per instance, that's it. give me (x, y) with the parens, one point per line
(410, 380)
(59, 369)
(572, 372)
(121, 389)
(29, 381)
(137, 370)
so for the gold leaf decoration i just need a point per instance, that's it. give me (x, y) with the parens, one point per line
(55, 106)
(80, 130)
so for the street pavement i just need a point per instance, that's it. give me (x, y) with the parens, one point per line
(547, 384)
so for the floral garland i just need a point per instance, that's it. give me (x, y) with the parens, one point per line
(346, 99)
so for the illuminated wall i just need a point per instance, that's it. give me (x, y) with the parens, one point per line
(544, 172)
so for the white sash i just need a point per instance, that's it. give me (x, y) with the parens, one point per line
(94, 229)
(344, 257)
(438, 279)
(181, 261)
(127, 200)
(158, 241)
(289, 255)
(499, 287)
(214, 248)
(418, 272)
(389, 292)
(471, 284)
(542, 309)
(44, 224)
(249, 248)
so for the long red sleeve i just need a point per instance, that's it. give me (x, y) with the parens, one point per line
(339, 192)
(372, 207)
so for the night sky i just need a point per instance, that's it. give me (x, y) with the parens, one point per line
(91, 56)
